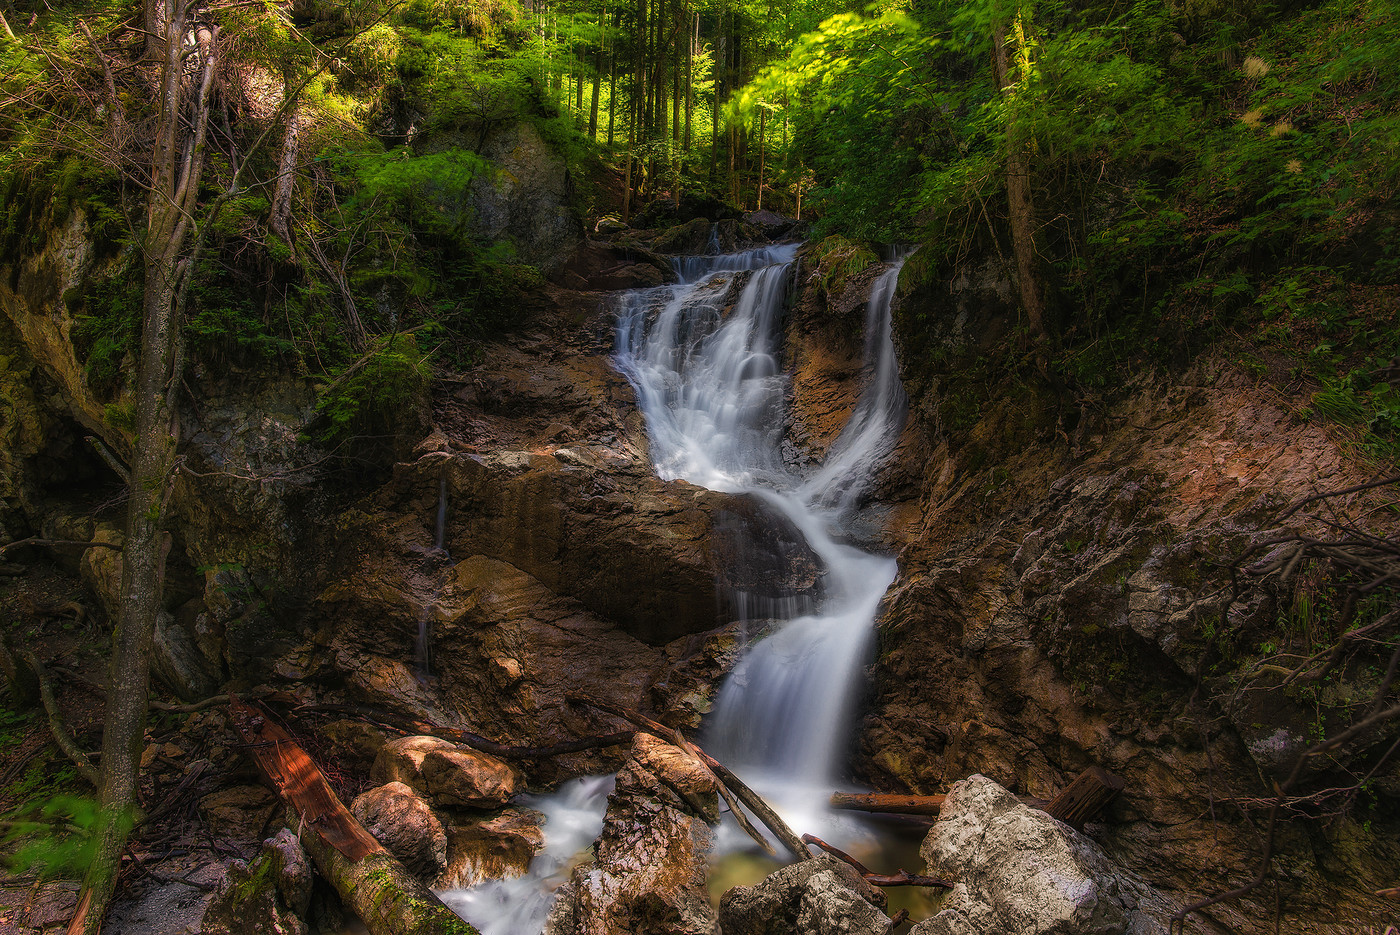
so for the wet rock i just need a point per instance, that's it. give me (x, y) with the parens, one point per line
(270, 896)
(821, 896)
(692, 237)
(493, 848)
(405, 825)
(449, 775)
(649, 872)
(1021, 872)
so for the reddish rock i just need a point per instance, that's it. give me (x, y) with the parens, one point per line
(449, 775)
(405, 825)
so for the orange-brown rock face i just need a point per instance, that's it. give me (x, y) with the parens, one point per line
(1060, 604)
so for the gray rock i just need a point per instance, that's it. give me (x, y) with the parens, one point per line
(649, 875)
(821, 896)
(1021, 872)
(405, 825)
(450, 776)
(527, 198)
(267, 897)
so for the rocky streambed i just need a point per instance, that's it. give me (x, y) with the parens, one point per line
(1058, 587)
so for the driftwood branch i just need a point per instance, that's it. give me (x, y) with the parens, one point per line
(56, 727)
(389, 899)
(899, 878)
(755, 803)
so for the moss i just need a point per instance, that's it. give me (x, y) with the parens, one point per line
(838, 259)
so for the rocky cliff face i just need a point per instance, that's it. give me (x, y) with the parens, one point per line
(1060, 604)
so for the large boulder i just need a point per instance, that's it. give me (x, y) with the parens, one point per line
(271, 896)
(650, 870)
(1021, 872)
(821, 896)
(526, 199)
(406, 826)
(449, 775)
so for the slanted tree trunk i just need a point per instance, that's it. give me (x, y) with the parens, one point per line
(386, 897)
(1020, 208)
(177, 163)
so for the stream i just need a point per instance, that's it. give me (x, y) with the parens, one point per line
(709, 383)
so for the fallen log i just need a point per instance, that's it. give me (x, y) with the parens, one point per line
(400, 722)
(888, 804)
(386, 897)
(1085, 797)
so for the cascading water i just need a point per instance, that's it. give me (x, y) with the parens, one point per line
(713, 394)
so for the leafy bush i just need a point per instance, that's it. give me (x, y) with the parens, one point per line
(369, 397)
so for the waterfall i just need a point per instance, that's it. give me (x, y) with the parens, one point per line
(709, 384)
(713, 395)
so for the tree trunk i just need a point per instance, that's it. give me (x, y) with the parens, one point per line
(597, 86)
(612, 93)
(286, 178)
(1020, 208)
(693, 41)
(386, 897)
(762, 153)
(177, 167)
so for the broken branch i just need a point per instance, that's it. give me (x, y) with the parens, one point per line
(60, 733)
(755, 803)
(389, 899)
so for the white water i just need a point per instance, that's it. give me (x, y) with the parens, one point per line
(573, 817)
(709, 383)
(713, 394)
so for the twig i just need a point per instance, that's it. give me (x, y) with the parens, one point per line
(755, 803)
(898, 878)
(60, 733)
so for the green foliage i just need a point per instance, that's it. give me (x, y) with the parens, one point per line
(368, 397)
(107, 309)
(838, 259)
(57, 836)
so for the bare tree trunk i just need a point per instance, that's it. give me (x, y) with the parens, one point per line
(286, 177)
(1020, 209)
(612, 93)
(694, 40)
(597, 85)
(762, 152)
(177, 168)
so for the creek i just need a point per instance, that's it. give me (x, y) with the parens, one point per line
(705, 366)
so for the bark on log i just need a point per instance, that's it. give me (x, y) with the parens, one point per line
(1084, 798)
(386, 897)
(892, 804)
